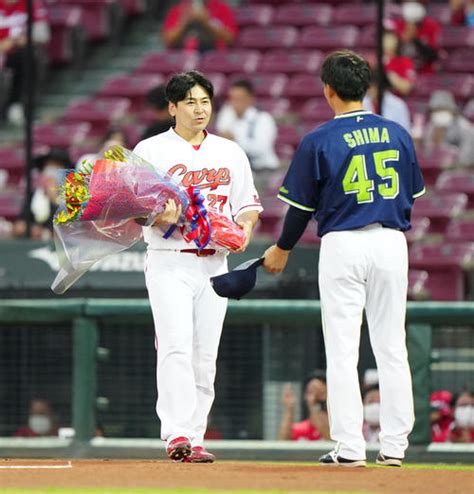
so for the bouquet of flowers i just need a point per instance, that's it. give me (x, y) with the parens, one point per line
(100, 205)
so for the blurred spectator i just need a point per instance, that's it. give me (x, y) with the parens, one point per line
(371, 402)
(45, 197)
(371, 378)
(113, 137)
(200, 25)
(463, 426)
(13, 23)
(441, 415)
(156, 99)
(393, 107)
(315, 427)
(41, 421)
(448, 127)
(400, 70)
(255, 131)
(419, 34)
(458, 12)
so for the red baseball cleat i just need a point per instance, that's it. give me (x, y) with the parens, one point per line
(179, 449)
(200, 455)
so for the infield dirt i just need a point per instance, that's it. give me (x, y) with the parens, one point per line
(234, 475)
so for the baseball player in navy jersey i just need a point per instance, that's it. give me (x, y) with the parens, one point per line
(358, 175)
(188, 314)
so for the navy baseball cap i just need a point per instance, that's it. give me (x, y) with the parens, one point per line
(238, 282)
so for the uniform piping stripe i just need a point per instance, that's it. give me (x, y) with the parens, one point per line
(295, 204)
(354, 114)
(418, 194)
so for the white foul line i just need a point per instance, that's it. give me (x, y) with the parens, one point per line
(34, 467)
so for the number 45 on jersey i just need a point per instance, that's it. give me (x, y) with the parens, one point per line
(357, 181)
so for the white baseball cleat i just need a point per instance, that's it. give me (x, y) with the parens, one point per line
(332, 459)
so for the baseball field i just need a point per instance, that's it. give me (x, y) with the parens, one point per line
(164, 477)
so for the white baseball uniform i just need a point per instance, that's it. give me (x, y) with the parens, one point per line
(187, 313)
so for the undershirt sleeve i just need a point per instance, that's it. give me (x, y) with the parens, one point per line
(294, 226)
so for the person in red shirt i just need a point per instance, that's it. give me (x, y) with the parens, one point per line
(200, 25)
(441, 415)
(419, 34)
(316, 426)
(400, 70)
(41, 421)
(13, 23)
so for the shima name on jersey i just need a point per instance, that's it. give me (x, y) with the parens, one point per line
(354, 170)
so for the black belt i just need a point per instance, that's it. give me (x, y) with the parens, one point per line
(200, 253)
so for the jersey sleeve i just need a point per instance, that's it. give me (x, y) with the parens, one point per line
(244, 196)
(300, 187)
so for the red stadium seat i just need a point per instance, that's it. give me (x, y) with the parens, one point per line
(67, 35)
(316, 110)
(440, 208)
(301, 87)
(434, 163)
(134, 7)
(460, 60)
(134, 87)
(461, 85)
(219, 82)
(230, 62)
(328, 38)
(254, 15)
(12, 159)
(361, 15)
(456, 37)
(445, 264)
(62, 135)
(266, 38)
(303, 14)
(11, 205)
(277, 107)
(439, 11)
(265, 85)
(168, 62)
(291, 134)
(290, 62)
(458, 181)
(101, 113)
(417, 284)
(460, 230)
(419, 229)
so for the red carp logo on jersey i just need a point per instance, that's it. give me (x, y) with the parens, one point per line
(205, 178)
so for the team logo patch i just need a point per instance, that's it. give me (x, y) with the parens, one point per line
(205, 178)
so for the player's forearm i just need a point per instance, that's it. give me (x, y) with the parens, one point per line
(248, 217)
(285, 426)
(296, 221)
(219, 31)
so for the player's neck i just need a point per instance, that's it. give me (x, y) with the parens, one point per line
(194, 138)
(341, 107)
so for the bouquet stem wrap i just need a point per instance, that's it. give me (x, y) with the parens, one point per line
(97, 216)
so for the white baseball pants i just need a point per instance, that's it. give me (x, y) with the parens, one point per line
(188, 317)
(366, 268)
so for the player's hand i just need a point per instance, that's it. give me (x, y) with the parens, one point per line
(275, 259)
(247, 227)
(288, 397)
(170, 214)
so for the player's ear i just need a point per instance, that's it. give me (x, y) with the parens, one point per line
(172, 109)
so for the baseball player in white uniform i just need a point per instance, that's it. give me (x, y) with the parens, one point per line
(188, 314)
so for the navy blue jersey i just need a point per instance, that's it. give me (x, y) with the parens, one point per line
(354, 170)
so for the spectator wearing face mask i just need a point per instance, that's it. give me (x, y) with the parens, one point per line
(371, 427)
(441, 415)
(41, 421)
(316, 426)
(419, 34)
(463, 426)
(46, 195)
(447, 127)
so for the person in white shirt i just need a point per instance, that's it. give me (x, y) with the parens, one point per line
(393, 107)
(188, 314)
(255, 131)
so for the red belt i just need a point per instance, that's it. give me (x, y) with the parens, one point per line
(200, 253)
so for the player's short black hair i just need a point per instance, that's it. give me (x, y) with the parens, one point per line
(180, 84)
(347, 73)
(318, 374)
(244, 84)
(156, 97)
